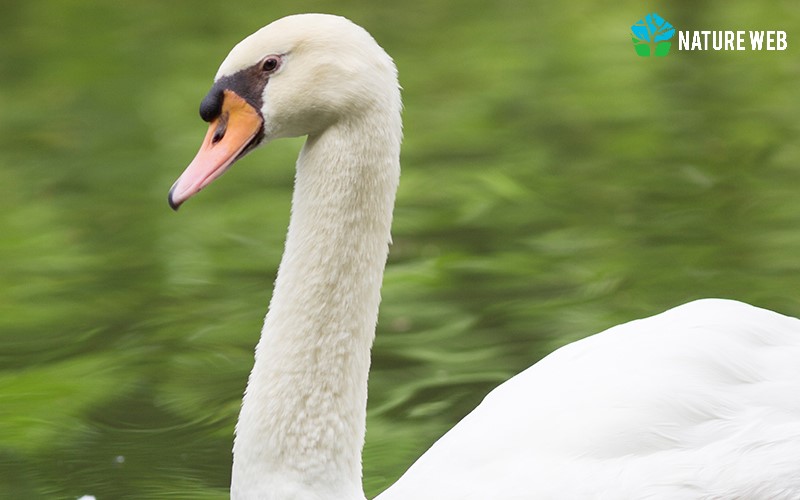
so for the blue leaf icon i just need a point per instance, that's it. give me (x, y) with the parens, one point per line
(653, 28)
(640, 31)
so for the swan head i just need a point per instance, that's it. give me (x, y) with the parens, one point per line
(296, 76)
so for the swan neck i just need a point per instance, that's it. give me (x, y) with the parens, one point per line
(301, 427)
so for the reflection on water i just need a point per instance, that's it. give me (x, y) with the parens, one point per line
(554, 184)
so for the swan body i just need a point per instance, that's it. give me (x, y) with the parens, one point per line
(702, 401)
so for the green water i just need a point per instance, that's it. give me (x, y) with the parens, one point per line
(554, 184)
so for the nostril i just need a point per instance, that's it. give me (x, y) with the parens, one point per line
(219, 133)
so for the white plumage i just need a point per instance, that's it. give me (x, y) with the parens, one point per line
(702, 401)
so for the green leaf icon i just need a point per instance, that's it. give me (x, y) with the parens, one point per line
(642, 48)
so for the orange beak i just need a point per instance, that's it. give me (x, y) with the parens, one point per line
(227, 138)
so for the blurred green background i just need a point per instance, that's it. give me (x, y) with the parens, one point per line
(554, 184)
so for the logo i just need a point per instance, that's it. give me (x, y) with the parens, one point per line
(651, 36)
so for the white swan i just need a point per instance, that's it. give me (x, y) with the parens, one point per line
(702, 401)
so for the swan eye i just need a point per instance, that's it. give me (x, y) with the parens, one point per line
(270, 63)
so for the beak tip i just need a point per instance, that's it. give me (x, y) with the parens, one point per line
(172, 203)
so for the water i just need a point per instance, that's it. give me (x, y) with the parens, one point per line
(554, 184)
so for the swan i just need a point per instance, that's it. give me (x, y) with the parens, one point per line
(701, 401)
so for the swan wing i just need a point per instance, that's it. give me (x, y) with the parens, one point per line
(701, 401)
